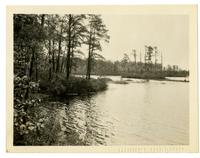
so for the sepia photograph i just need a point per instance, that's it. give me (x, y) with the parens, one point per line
(102, 78)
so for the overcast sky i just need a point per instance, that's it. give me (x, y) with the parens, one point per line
(168, 32)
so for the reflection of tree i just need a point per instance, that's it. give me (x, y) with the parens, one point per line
(95, 127)
(84, 122)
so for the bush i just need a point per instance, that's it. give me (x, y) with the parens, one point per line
(98, 84)
(44, 85)
(60, 86)
(26, 121)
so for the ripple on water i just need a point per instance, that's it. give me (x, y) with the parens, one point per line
(132, 114)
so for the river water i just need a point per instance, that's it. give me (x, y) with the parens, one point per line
(138, 113)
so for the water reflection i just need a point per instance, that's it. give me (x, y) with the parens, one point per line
(132, 114)
(84, 123)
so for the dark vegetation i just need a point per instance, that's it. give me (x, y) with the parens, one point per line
(47, 49)
(73, 86)
(133, 69)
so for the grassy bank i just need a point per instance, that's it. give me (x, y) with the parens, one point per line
(62, 87)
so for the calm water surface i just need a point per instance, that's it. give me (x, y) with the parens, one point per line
(138, 113)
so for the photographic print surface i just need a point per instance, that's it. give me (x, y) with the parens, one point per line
(102, 79)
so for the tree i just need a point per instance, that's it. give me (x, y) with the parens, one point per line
(42, 34)
(28, 34)
(134, 55)
(96, 32)
(124, 62)
(52, 36)
(75, 37)
(148, 57)
(60, 40)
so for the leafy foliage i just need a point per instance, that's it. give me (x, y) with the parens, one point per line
(25, 120)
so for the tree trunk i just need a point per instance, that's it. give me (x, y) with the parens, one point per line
(42, 20)
(89, 56)
(62, 64)
(69, 46)
(88, 65)
(72, 56)
(36, 67)
(50, 60)
(36, 53)
(32, 62)
(53, 56)
(59, 52)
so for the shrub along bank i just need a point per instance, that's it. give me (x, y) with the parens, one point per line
(62, 87)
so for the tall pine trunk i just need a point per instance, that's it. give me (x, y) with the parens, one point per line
(71, 58)
(32, 62)
(50, 60)
(36, 53)
(53, 56)
(89, 64)
(69, 46)
(59, 52)
(36, 67)
(62, 63)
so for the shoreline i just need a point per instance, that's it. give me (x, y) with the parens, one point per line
(164, 79)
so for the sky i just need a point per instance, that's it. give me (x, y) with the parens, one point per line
(170, 33)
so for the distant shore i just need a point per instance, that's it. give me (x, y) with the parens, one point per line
(158, 79)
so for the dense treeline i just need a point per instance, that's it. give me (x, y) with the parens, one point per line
(52, 43)
(127, 68)
(46, 50)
